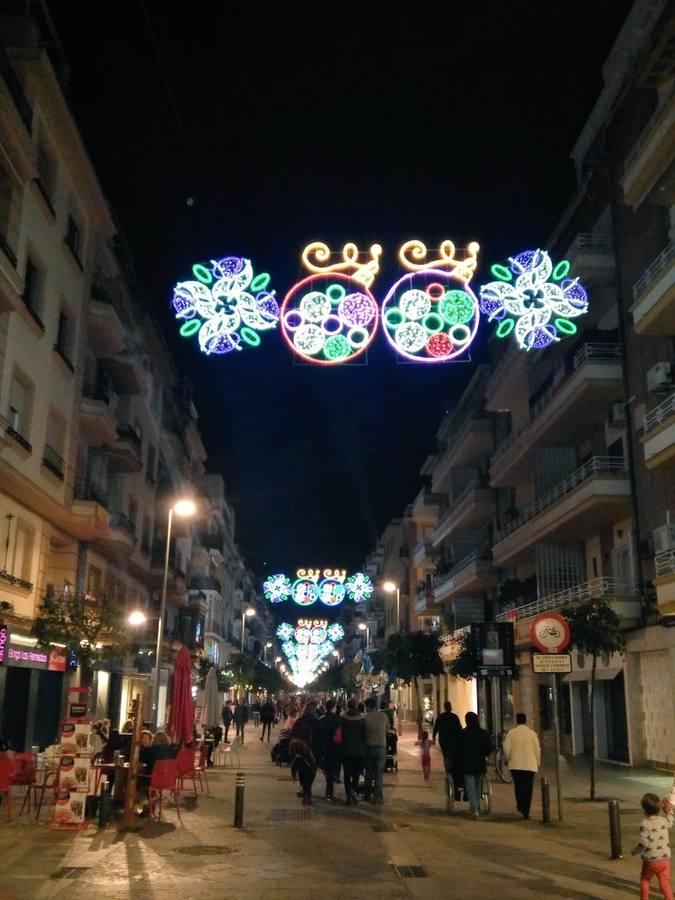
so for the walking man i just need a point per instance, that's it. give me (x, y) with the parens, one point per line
(227, 719)
(523, 756)
(377, 724)
(448, 729)
(240, 717)
(267, 718)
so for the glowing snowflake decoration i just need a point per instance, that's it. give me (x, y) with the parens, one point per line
(277, 588)
(533, 299)
(226, 305)
(285, 631)
(335, 632)
(359, 587)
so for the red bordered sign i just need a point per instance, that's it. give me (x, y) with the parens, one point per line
(550, 632)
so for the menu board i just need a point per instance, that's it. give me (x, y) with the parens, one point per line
(75, 768)
(69, 809)
(74, 738)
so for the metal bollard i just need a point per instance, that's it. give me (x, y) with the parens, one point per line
(545, 801)
(239, 801)
(615, 828)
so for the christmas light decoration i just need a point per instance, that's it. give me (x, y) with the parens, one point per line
(533, 299)
(331, 317)
(307, 645)
(431, 314)
(284, 631)
(277, 588)
(226, 305)
(335, 632)
(359, 587)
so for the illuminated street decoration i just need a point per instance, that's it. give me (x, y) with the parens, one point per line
(330, 317)
(277, 588)
(533, 299)
(306, 646)
(335, 632)
(285, 631)
(431, 314)
(359, 587)
(226, 305)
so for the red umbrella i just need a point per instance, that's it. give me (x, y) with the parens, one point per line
(181, 720)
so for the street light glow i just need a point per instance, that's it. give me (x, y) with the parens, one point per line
(277, 659)
(249, 612)
(185, 508)
(362, 626)
(389, 587)
(268, 644)
(137, 617)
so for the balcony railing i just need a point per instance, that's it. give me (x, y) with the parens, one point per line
(15, 89)
(100, 392)
(123, 523)
(597, 465)
(662, 412)
(665, 563)
(661, 263)
(586, 240)
(587, 590)
(87, 489)
(53, 461)
(464, 563)
(129, 434)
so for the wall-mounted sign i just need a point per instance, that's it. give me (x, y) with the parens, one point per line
(53, 659)
(551, 663)
(550, 632)
(3, 643)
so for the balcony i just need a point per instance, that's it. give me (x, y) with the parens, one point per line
(422, 553)
(622, 595)
(425, 508)
(592, 256)
(97, 415)
(424, 602)
(124, 455)
(594, 496)
(53, 462)
(472, 508)
(471, 444)
(90, 509)
(472, 575)
(653, 295)
(206, 583)
(127, 373)
(568, 410)
(120, 536)
(659, 434)
(15, 90)
(105, 326)
(652, 153)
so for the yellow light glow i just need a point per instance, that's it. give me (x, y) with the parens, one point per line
(137, 617)
(185, 508)
(389, 587)
(413, 255)
(364, 272)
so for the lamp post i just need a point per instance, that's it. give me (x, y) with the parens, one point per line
(245, 614)
(268, 644)
(390, 587)
(184, 509)
(364, 626)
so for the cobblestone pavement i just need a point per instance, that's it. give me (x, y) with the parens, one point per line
(410, 847)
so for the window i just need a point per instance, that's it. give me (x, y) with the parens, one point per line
(46, 168)
(94, 578)
(152, 458)
(65, 337)
(33, 291)
(54, 445)
(22, 559)
(73, 236)
(20, 403)
(133, 512)
(6, 194)
(147, 531)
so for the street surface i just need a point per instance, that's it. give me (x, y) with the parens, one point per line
(407, 848)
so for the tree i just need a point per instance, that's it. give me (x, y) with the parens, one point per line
(464, 664)
(267, 678)
(93, 628)
(243, 670)
(411, 657)
(595, 630)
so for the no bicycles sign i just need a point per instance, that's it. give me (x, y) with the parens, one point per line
(550, 633)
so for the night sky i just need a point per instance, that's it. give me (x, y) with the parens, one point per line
(219, 129)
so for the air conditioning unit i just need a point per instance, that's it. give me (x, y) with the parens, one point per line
(617, 416)
(664, 538)
(659, 377)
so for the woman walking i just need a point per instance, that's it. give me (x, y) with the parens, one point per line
(352, 748)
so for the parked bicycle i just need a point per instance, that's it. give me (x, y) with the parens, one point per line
(501, 765)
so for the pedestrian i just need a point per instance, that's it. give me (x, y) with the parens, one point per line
(352, 749)
(448, 731)
(426, 755)
(474, 749)
(305, 748)
(386, 708)
(654, 846)
(255, 713)
(523, 756)
(227, 719)
(267, 718)
(377, 725)
(240, 718)
(330, 750)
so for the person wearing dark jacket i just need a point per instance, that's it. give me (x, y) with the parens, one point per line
(328, 725)
(305, 748)
(352, 748)
(267, 718)
(227, 719)
(448, 730)
(474, 748)
(240, 718)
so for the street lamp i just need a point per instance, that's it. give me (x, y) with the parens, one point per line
(245, 614)
(390, 587)
(268, 644)
(137, 617)
(184, 508)
(363, 626)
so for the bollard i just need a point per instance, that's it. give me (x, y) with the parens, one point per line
(545, 801)
(239, 801)
(615, 828)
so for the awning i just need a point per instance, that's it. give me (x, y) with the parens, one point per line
(602, 673)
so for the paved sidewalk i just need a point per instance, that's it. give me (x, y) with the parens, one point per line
(408, 848)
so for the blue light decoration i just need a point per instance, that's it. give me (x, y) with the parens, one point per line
(285, 631)
(533, 299)
(335, 632)
(226, 305)
(277, 588)
(359, 587)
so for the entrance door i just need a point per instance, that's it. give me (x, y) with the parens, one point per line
(617, 723)
(15, 709)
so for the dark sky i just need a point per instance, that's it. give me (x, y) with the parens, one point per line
(351, 123)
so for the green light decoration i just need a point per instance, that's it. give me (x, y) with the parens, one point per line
(565, 326)
(456, 307)
(251, 337)
(433, 323)
(561, 271)
(260, 282)
(336, 347)
(335, 292)
(505, 328)
(501, 272)
(190, 328)
(202, 274)
(393, 317)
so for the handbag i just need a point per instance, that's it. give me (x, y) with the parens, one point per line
(337, 736)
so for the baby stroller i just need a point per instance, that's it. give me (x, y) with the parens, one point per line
(391, 764)
(280, 752)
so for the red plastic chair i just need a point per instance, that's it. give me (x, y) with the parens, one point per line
(164, 778)
(6, 773)
(185, 760)
(25, 768)
(201, 768)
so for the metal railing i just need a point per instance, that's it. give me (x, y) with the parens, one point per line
(650, 274)
(129, 434)
(464, 563)
(53, 461)
(597, 465)
(122, 522)
(458, 437)
(475, 484)
(86, 489)
(586, 240)
(659, 113)
(101, 392)
(665, 563)
(587, 590)
(658, 415)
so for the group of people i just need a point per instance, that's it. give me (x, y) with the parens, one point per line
(239, 714)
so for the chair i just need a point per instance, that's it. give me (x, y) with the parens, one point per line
(6, 773)
(164, 778)
(201, 768)
(185, 760)
(231, 751)
(25, 769)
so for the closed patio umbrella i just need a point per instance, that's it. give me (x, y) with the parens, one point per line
(210, 714)
(181, 720)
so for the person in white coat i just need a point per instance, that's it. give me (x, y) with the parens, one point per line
(523, 755)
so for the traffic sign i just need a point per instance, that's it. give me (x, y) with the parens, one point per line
(551, 663)
(550, 632)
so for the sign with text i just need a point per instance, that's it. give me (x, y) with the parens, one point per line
(54, 659)
(3, 643)
(551, 663)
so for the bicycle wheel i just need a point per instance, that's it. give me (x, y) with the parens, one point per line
(449, 793)
(485, 794)
(502, 769)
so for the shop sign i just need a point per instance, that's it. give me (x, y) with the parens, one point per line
(551, 663)
(3, 643)
(53, 660)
